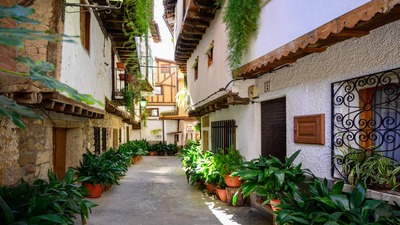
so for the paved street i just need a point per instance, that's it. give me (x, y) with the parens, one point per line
(155, 191)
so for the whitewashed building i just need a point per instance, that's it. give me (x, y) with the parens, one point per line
(315, 78)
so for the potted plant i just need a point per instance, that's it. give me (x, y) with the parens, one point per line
(269, 177)
(227, 164)
(94, 173)
(327, 204)
(369, 167)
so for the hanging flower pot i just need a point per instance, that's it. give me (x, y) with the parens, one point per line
(120, 65)
(122, 77)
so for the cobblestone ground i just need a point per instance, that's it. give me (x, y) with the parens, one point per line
(155, 192)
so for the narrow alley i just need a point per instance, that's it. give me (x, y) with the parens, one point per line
(155, 192)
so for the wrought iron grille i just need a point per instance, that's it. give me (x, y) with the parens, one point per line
(223, 134)
(97, 140)
(365, 118)
(104, 139)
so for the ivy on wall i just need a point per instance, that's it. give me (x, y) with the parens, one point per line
(241, 19)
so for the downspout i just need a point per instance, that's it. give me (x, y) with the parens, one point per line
(163, 131)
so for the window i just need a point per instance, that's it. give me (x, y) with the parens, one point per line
(104, 139)
(366, 115)
(195, 67)
(165, 68)
(152, 112)
(223, 134)
(85, 27)
(158, 90)
(97, 140)
(210, 53)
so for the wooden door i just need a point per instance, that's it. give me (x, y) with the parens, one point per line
(115, 139)
(59, 151)
(273, 128)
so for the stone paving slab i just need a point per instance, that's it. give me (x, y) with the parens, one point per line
(155, 192)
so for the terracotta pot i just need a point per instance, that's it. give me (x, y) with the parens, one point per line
(274, 203)
(232, 181)
(152, 153)
(122, 77)
(120, 65)
(94, 191)
(136, 159)
(210, 188)
(221, 194)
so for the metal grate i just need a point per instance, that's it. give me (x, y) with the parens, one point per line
(104, 139)
(223, 134)
(366, 117)
(97, 140)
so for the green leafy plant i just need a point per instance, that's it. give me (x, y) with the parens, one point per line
(369, 167)
(241, 19)
(191, 163)
(269, 177)
(325, 205)
(38, 70)
(44, 202)
(229, 162)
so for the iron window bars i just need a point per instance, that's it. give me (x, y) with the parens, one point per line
(366, 117)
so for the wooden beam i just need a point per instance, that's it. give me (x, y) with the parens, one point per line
(28, 98)
(59, 106)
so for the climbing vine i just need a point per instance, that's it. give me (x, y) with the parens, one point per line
(137, 15)
(241, 19)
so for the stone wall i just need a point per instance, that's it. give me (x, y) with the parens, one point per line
(28, 153)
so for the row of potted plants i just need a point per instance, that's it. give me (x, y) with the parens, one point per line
(99, 172)
(51, 201)
(305, 199)
(56, 201)
(211, 168)
(162, 149)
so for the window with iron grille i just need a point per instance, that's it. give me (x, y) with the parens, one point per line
(104, 139)
(223, 134)
(366, 117)
(97, 140)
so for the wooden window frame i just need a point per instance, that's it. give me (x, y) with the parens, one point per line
(150, 110)
(210, 55)
(196, 71)
(309, 129)
(85, 16)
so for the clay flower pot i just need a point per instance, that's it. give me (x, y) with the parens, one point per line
(152, 153)
(221, 193)
(232, 181)
(94, 191)
(120, 65)
(210, 188)
(274, 203)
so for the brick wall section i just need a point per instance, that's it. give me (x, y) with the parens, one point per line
(7, 54)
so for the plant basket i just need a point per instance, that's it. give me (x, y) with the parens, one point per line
(94, 191)
(232, 181)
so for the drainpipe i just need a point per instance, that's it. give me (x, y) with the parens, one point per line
(163, 131)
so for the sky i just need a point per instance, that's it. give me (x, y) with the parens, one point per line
(164, 49)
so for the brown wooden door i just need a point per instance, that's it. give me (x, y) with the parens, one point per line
(59, 151)
(115, 139)
(273, 128)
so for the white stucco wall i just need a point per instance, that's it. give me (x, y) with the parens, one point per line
(282, 21)
(307, 88)
(89, 73)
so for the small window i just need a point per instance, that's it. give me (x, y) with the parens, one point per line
(104, 139)
(165, 68)
(223, 134)
(196, 70)
(210, 53)
(85, 27)
(97, 140)
(158, 90)
(152, 112)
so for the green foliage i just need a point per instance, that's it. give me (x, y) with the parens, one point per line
(269, 177)
(14, 37)
(229, 162)
(45, 202)
(241, 19)
(374, 170)
(325, 205)
(181, 97)
(191, 158)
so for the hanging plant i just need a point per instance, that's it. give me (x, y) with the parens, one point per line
(241, 19)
